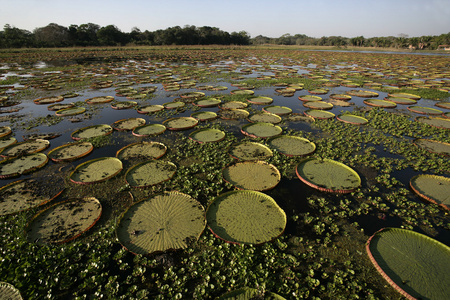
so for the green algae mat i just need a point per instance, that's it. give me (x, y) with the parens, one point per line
(245, 217)
(164, 222)
(414, 264)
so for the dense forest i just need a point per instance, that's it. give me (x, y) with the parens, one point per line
(54, 35)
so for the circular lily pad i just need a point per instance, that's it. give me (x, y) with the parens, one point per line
(147, 109)
(22, 165)
(414, 264)
(319, 114)
(207, 135)
(164, 222)
(260, 100)
(99, 100)
(71, 111)
(318, 105)
(380, 103)
(401, 101)
(277, 110)
(242, 92)
(233, 114)
(233, 105)
(292, 145)
(204, 115)
(433, 188)
(149, 130)
(264, 117)
(96, 170)
(128, 124)
(252, 175)
(144, 150)
(352, 119)
(193, 95)
(435, 122)
(59, 106)
(250, 151)
(245, 217)
(180, 123)
(425, 110)
(150, 173)
(174, 105)
(208, 102)
(443, 104)
(261, 130)
(70, 151)
(48, 100)
(363, 94)
(433, 146)
(123, 104)
(310, 98)
(342, 97)
(64, 221)
(25, 194)
(328, 175)
(7, 141)
(92, 131)
(405, 95)
(26, 147)
(4, 131)
(318, 91)
(9, 292)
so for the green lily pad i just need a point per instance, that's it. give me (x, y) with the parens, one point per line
(245, 217)
(125, 104)
(342, 97)
(174, 105)
(292, 145)
(71, 151)
(71, 111)
(250, 151)
(414, 264)
(242, 92)
(64, 221)
(150, 173)
(22, 165)
(260, 100)
(59, 106)
(405, 95)
(4, 131)
(264, 117)
(7, 141)
(233, 105)
(208, 102)
(168, 221)
(233, 114)
(149, 130)
(352, 119)
(433, 188)
(277, 110)
(433, 146)
(310, 98)
(49, 100)
(25, 147)
(147, 109)
(435, 122)
(204, 115)
(443, 104)
(96, 170)
(99, 100)
(319, 114)
(180, 123)
(328, 175)
(380, 103)
(207, 135)
(261, 130)
(425, 110)
(9, 292)
(402, 101)
(144, 150)
(92, 131)
(252, 175)
(363, 94)
(128, 124)
(318, 105)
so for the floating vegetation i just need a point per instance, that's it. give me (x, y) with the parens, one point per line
(249, 293)
(70, 151)
(233, 105)
(292, 145)
(25, 147)
(405, 95)
(151, 108)
(260, 100)
(207, 135)
(318, 105)
(363, 94)
(252, 175)
(310, 98)
(123, 104)
(250, 151)
(264, 117)
(261, 130)
(414, 264)
(208, 102)
(96, 170)
(433, 188)
(425, 110)
(319, 114)
(99, 100)
(22, 165)
(48, 100)
(144, 150)
(150, 173)
(92, 132)
(435, 122)
(4, 131)
(149, 130)
(233, 114)
(352, 119)
(180, 123)
(380, 103)
(71, 111)
(128, 124)
(204, 115)
(277, 110)
(245, 217)
(8, 291)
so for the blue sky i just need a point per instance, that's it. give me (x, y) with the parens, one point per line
(272, 18)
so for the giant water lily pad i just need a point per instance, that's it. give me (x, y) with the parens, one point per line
(352, 119)
(164, 222)
(260, 100)
(414, 264)
(91, 131)
(277, 110)
(292, 145)
(7, 141)
(233, 114)
(405, 95)
(71, 151)
(96, 170)
(49, 100)
(22, 165)
(247, 293)
(380, 103)
(99, 100)
(233, 105)
(252, 175)
(26, 147)
(149, 130)
(71, 111)
(9, 292)
(208, 102)
(361, 93)
(319, 114)
(180, 123)
(151, 108)
(309, 98)
(250, 151)
(433, 146)
(128, 124)
(207, 135)
(5, 130)
(261, 130)
(318, 105)
(245, 217)
(64, 221)
(144, 150)
(425, 110)
(25, 194)
(401, 101)
(328, 175)
(433, 188)
(124, 104)
(342, 97)
(264, 117)
(204, 115)
(435, 122)
(150, 173)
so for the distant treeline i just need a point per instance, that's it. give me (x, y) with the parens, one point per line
(54, 35)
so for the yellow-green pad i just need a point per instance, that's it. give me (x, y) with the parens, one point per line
(252, 175)
(433, 188)
(150, 173)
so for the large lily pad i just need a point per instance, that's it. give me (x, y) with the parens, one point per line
(405, 95)
(164, 222)
(250, 151)
(260, 100)
(233, 105)
(207, 135)
(380, 103)
(91, 131)
(22, 165)
(5, 130)
(26, 147)
(204, 115)
(99, 99)
(277, 110)
(64, 221)
(144, 150)
(435, 122)
(71, 111)
(264, 117)
(25, 194)
(7, 141)
(310, 98)
(352, 119)
(252, 175)
(180, 123)
(318, 105)
(96, 170)
(49, 100)
(433, 188)
(401, 101)
(150, 173)
(261, 130)
(9, 292)
(71, 151)
(149, 130)
(292, 145)
(151, 108)
(433, 146)
(128, 124)
(328, 175)
(245, 217)
(425, 110)
(319, 114)
(233, 114)
(414, 264)
(208, 102)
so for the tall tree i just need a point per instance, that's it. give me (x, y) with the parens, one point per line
(52, 35)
